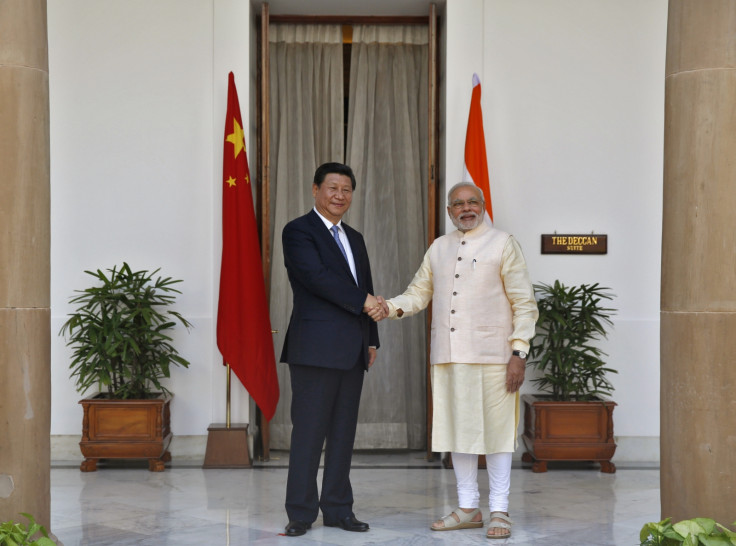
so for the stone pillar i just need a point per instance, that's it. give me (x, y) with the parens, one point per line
(698, 306)
(25, 384)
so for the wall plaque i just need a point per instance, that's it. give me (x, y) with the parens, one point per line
(575, 244)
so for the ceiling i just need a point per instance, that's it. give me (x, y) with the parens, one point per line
(348, 7)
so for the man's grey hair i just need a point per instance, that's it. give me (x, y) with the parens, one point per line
(462, 185)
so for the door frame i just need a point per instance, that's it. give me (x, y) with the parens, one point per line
(263, 168)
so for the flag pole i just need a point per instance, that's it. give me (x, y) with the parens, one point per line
(227, 399)
(227, 444)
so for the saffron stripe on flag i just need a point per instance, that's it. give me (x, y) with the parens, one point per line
(476, 164)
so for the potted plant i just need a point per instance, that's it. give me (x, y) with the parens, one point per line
(571, 420)
(120, 338)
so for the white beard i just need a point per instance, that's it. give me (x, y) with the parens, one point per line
(468, 223)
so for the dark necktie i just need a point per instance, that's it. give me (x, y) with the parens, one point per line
(339, 243)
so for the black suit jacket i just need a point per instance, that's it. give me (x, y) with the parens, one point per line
(327, 327)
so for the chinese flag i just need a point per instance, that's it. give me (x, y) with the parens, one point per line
(243, 324)
(476, 165)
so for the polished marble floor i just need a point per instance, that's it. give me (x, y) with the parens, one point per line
(399, 494)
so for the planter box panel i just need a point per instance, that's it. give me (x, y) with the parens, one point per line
(130, 450)
(574, 424)
(120, 422)
(571, 452)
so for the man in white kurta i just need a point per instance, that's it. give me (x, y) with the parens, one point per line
(483, 316)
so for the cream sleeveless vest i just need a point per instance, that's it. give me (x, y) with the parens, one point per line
(471, 315)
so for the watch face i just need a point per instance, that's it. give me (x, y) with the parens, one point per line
(520, 354)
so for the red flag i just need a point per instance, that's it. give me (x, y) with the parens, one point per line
(243, 324)
(476, 165)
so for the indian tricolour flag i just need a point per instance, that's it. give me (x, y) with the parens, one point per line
(476, 165)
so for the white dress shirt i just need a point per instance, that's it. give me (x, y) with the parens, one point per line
(343, 240)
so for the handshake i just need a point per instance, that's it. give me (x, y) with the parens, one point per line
(375, 307)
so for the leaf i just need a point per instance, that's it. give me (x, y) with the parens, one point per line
(694, 526)
(649, 529)
(718, 540)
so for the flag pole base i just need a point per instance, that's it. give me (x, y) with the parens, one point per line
(227, 447)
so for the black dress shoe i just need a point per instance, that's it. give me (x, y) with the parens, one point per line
(297, 528)
(349, 523)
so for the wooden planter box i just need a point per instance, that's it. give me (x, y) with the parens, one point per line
(568, 431)
(126, 429)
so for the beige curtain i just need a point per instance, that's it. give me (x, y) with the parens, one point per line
(306, 130)
(387, 148)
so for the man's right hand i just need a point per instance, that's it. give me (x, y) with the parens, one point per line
(384, 306)
(373, 307)
(370, 303)
(380, 311)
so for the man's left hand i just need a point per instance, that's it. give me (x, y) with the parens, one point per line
(515, 373)
(371, 356)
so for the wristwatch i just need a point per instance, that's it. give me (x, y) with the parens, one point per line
(520, 354)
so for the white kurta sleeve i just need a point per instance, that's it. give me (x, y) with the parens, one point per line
(417, 295)
(520, 292)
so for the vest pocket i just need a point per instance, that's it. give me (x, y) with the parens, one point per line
(489, 344)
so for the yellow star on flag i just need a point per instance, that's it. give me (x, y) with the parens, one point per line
(230, 181)
(237, 138)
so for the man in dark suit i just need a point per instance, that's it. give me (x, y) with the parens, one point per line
(329, 345)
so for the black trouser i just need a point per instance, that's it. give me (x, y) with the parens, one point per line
(324, 407)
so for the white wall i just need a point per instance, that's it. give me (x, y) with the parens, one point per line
(573, 106)
(573, 111)
(138, 96)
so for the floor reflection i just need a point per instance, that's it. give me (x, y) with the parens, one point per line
(399, 494)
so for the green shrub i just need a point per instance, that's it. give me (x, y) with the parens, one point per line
(120, 333)
(17, 534)
(572, 319)
(688, 532)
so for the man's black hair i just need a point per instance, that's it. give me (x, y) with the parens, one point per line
(332, 168)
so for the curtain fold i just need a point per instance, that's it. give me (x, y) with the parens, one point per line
(307, 104)
(387, 149)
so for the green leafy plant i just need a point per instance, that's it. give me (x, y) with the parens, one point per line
(689, 532)
(17, 534)
(571, 320)
(120, 333)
